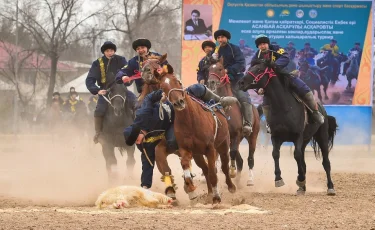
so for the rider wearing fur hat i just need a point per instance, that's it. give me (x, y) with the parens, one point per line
(109, 63)
(208, 47)
(142, 47)
(234, 64)
(278, 60)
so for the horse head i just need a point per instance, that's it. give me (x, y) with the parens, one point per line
(116, 95)
(257, 76)
(216, 75)
(303, 66)
(151, 68)
(172, 87)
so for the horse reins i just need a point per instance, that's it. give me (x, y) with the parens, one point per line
(257, 78)
(223, 80)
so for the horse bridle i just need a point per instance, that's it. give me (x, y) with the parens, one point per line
(146, 63)
(258, 77)
(109, 99)
(223, 80)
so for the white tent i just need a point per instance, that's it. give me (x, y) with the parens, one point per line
(79, 84)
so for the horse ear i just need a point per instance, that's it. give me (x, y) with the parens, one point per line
(163, 58)
(221, 60)
(170, 68)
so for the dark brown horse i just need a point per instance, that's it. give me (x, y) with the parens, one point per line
(198, 133)
(218, 82)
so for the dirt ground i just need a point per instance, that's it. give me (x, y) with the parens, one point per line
(47, 183)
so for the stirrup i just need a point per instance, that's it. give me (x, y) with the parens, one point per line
(268, 128)
(251, 128)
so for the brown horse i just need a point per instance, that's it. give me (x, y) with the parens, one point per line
(198, 133)
(150, 65)
(218, 82)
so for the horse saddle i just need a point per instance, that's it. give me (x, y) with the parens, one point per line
(211, 106)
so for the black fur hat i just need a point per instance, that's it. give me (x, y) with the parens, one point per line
(261, 39)
(108, 45)
(222, 33)
(131, 134)
(141, 42)
(208, 43)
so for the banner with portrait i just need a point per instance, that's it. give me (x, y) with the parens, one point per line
(329, 43)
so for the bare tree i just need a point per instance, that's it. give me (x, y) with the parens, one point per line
(155, 19)
(53, 24)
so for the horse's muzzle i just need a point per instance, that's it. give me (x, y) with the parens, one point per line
(118, 111)
(242, 85)
(179, 105)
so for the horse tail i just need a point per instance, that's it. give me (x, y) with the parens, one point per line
(332, 128)
(260, 110)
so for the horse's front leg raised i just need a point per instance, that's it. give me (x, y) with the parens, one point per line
(276, 157)
(186, 157)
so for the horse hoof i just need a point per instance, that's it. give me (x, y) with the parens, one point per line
(331, 192)
(232, 172)
(300, 183)
(192, 195)
(175, 202)
(216, 200)
(279, 183)
(250, 182)
(171, 195)
(232, 189)
(301, 191)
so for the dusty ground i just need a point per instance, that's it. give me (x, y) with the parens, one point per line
(47, 184)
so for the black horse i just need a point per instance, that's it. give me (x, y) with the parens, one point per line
(289, 123)
(314, 77)
(333, 63)
(119, 115)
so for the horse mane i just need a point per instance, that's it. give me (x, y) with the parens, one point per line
(146, 89)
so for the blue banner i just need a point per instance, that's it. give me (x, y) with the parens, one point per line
(316, 22)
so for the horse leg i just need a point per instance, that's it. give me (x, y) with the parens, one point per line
(322, 139)
(224, 156)
(166, 172)
(302, 189)
(130, 161)
(189, 187)
(319, 94)
(111, 162)
(349, 82)
(201, 163)
(301, 179)
(325, 86)
(211, 158)
(276, 157)
(235, 156)
(252, 140)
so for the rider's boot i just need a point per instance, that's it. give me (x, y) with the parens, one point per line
(224, 101)
(311, 103)
(98, 128)
(247, 111)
